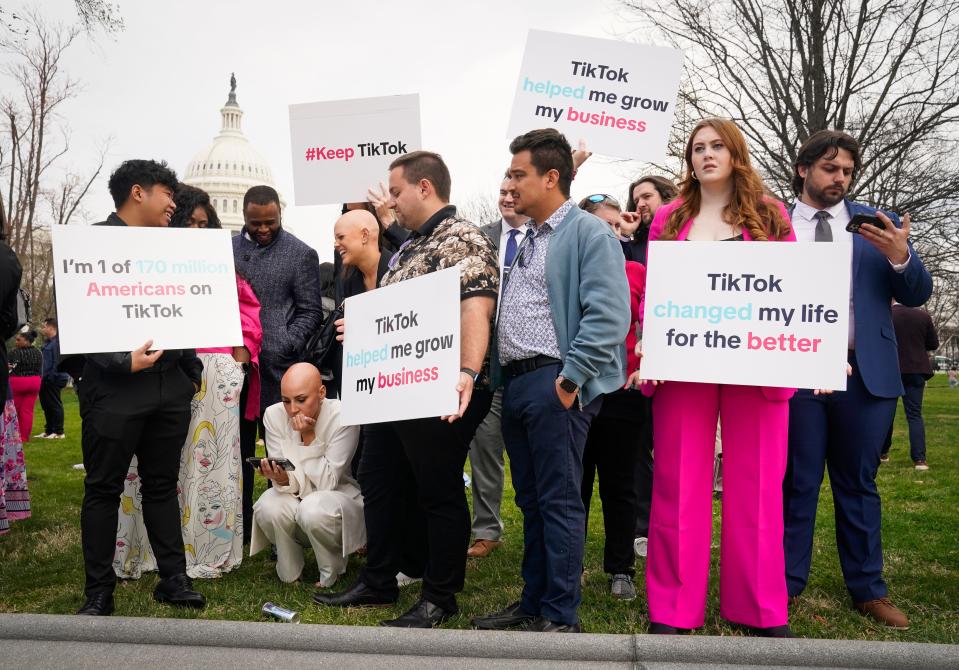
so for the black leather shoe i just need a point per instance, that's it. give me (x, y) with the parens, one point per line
(663, 629)
(98, 604)
(543, 625)
(358, 595)
(177, 590)
(423, 614)
(772, 631)
(509, 617)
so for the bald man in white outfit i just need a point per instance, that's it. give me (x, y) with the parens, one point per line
(318, 503)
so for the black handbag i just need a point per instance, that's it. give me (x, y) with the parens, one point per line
(323, 341)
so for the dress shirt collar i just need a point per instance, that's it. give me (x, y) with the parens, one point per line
(430, 225)
(556, 217)
(504, 228)
(808, 212)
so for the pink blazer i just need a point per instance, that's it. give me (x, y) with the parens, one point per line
(656, 229)
(252, 340)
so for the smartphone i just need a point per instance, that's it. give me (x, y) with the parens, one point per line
(857, 221)
(282, 462)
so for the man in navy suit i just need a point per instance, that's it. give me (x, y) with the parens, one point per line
(844, 431)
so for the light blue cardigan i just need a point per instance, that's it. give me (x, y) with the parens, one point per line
(589, 301)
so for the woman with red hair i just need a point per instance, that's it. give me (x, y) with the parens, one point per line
(722, 199)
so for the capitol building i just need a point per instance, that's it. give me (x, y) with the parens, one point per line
(229, 167)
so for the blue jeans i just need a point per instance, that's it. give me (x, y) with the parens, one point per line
(545, 443)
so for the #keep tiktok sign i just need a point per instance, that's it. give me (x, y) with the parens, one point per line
(342, 147)
(752, 314)
(618, 96)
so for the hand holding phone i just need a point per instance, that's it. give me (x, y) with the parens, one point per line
(284, 463)
(856, 222)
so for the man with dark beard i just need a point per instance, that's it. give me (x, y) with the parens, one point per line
(845, 430)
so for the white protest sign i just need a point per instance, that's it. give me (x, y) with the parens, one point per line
(342, 147)
(118, 287)
(761, 314)
(617, 96)
(401, 353)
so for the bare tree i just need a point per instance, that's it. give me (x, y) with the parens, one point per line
(885, 71)
(480, 208)
(33, 143)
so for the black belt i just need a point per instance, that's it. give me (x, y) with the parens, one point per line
(517, 368)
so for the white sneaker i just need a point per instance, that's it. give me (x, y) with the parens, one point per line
(639, 546)
(406, 580)
(56, 436)
(43, 436)
(921, 466)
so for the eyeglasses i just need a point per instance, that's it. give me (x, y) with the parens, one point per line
(525, 253)
(395, 258)
(602, 197)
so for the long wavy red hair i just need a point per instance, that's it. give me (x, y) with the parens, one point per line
(750, 206)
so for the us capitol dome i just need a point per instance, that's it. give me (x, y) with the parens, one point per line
(229, 167)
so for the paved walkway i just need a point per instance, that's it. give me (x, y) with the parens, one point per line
(48, 641)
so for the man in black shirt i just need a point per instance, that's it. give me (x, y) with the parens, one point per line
(136, 403)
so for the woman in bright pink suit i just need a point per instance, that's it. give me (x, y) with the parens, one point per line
(722, 199)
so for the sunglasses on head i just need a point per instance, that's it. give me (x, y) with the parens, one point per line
(602, 197)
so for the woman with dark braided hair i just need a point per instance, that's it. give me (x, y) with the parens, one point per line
(193, 209)
(722, 199)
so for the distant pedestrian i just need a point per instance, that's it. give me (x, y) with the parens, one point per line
(52, 383)
(915, 338)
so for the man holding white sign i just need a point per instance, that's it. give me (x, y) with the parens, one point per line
(434, 448)
(845, 430)
(136, 403)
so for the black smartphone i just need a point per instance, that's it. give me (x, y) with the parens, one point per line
(856, 223)
(282, 462)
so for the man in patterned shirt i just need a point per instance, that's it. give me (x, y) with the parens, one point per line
(563, 317)
(433, 450)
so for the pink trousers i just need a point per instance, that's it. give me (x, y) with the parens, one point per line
(25, 392)
(752, 582)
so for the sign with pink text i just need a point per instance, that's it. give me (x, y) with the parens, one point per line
(618, 96)
(118, 287)
(342, 147)
(401, 350)
(760, 314)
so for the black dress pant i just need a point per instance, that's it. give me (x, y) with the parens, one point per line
(146, 414)
(643, 415)
(247, 450)
(613, 449)
(52, 406)
(414, 502)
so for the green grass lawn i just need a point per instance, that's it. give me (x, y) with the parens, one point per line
(41, 567)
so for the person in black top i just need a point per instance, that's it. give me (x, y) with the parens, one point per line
(26, 365)
(136, 403)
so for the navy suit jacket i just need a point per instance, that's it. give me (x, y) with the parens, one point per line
(874, 284)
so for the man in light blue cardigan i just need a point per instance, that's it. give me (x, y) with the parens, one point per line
(563, 317)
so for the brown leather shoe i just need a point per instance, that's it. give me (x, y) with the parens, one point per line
(883, 611)
(482, 548)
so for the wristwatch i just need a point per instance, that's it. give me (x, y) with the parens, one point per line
(568, 385)
(471, 372)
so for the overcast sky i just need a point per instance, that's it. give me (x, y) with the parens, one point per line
(157, 87)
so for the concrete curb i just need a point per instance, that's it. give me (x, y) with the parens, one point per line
(635, 650)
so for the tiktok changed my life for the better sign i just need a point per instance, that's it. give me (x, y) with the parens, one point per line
(771, 314)
(401, 350)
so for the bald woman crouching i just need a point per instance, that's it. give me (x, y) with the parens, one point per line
(318, 503)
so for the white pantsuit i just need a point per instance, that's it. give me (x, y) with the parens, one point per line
(321, 506)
